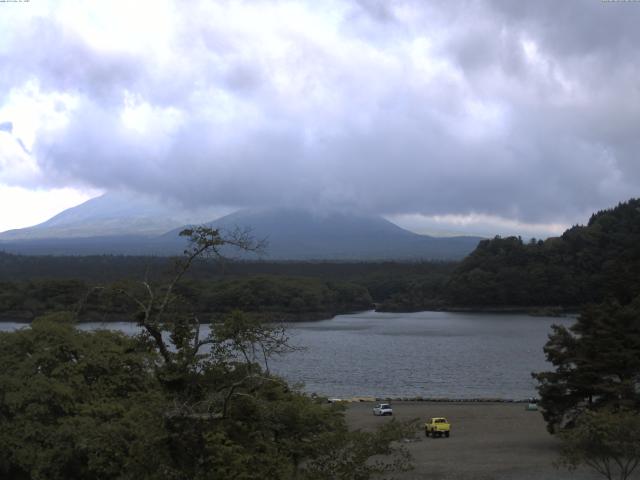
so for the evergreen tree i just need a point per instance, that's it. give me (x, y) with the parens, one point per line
(586, 264)
(597, 364)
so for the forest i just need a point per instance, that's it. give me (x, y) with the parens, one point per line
(586, 264)
(269, 297)
(31, 286)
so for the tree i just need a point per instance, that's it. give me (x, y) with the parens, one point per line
(171, 404)
(606, 441)
(76, 404)
(350, 455)
(227, 400)
(597, 364)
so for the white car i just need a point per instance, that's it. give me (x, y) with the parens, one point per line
(382, 409)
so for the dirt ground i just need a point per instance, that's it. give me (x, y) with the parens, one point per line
(488, 441)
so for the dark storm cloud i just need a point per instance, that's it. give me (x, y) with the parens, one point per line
(523, 110)
(575, 27)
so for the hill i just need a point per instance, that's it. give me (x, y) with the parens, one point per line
(294, 234)
(112, 215)
(109, 225)
(587, 264)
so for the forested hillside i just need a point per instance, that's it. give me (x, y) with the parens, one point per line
(585, 265)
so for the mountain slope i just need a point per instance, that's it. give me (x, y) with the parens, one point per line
(295, 234)
(114, 214)
(133, 225)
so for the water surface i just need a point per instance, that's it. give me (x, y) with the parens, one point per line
(428, 354)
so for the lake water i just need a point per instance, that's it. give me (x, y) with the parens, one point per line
(428, 354)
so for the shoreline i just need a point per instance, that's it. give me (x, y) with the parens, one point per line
(534, 311)
(284, 317)
(447, 400)
(288, 317)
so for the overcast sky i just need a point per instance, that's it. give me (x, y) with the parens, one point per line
(479, 116)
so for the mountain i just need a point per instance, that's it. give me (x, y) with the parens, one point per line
(296, 234)
(129, 225)
(114, 214)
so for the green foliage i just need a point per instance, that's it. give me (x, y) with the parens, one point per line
(280, 297)
(109, 268)
(168, 404)
(361, 455)
(597, 364)
(606, 441)
(586, 264)
(506, 271)
(393, 285)
(415, 292)
(100, 405)
(74, 404)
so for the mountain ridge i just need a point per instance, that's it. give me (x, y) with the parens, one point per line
(107, 225)
(298, 234)
(115, 214)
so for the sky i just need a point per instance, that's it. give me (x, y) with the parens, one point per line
(478, 116)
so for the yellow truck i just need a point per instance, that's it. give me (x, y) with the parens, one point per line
(437, 426)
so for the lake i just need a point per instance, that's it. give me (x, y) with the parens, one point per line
(428, 354)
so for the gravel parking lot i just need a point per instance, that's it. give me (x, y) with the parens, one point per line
(488, 441)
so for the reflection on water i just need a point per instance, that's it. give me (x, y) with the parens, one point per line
(428, 354)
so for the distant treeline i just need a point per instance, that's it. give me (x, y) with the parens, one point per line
(116, 267)
(587, 264)
(37, 284)
(271, 298)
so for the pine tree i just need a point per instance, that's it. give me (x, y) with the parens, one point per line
(597, 364)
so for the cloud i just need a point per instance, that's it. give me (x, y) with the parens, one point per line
(520, 111)
(38, 205)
